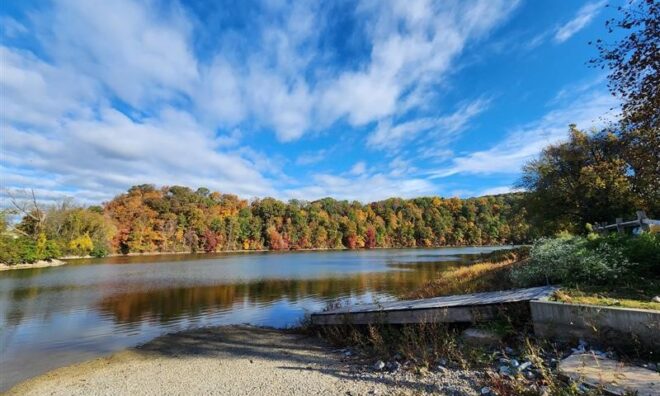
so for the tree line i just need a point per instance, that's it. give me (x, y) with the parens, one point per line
(180, 219)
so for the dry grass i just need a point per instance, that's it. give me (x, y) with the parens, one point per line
(422, 344)
(484, 276)
(576, 296)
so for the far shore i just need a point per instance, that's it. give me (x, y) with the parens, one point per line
(36, 264)
(59, 262)
(242, 251)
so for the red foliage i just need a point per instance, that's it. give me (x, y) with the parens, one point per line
(211, 241)
(370, 240)
(277, 242)
(351, 241)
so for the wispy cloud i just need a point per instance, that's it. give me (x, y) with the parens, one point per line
(583, 17)
(591, 109)
(497, 190)
(366, 187)
(389, 135)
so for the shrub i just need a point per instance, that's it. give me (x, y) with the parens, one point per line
(643, 252)
(571, 260)
(17, 250)
(25, 250)
(99, 251)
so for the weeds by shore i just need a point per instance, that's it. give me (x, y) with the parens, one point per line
(490, 273)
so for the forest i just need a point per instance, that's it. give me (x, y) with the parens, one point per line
(180, 219)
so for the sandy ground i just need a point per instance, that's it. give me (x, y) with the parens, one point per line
(239, 360)
(37, 264)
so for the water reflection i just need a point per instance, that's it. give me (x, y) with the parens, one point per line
(169, 304)
(93, 307)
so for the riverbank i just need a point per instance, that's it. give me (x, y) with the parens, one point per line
(36, 264)
(242, 360)
(243, 251)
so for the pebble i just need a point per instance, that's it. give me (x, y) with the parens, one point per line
(515, 363)
(485, 390)
(505, 370)
(393, 366)
(508, 350)
(379, 365)
(524, 366)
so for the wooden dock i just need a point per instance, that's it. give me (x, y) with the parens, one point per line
(459, 308)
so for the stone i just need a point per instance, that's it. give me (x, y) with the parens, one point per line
(656, 299)
(611, 375)
(505, 370)
(379, 365)
(524, 366)
(485, 390)
(393, 366)
(515, 363)
(508, 350)
(480, 337)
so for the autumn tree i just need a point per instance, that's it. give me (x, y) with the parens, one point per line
(582, 180)
(633, 61)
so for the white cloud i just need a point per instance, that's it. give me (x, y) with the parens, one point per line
(522, 144)
(113, 151)
(36, 93)
(12, 28)
(140, 53)
(365, 188)
(583, 17)
(439, 129)
(498, 190)
(413, 45)
(359, 168)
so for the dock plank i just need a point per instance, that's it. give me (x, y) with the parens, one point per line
(456, 308)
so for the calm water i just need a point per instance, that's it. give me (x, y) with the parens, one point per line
(51, 317)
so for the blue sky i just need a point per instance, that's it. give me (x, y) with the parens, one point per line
(349, 99)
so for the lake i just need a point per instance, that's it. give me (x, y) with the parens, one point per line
(52, 317)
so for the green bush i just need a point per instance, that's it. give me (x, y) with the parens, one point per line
(643, 252)
(99, 251)
(26, 250)
(572, 260)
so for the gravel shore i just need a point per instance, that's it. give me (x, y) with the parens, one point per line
(241, 360)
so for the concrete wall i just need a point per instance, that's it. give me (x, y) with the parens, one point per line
(621, 326)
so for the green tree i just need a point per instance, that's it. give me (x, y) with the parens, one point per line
(583, 180)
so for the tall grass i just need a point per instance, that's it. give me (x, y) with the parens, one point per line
(490, 274)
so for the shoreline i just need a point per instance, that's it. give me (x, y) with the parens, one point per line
(36, 264)
(239, 360)
(242, 251)
(63, 260)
